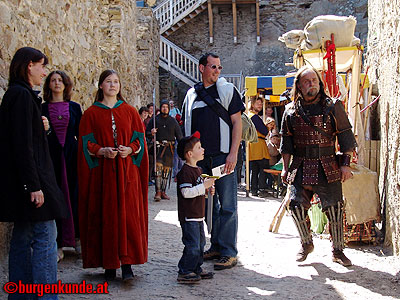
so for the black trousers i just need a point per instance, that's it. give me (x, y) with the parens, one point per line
(258, 176)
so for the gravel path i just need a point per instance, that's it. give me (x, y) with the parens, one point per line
(266, 268)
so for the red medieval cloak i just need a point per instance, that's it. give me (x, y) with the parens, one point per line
(113, 210)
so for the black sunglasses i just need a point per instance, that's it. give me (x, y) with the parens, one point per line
(215, 67)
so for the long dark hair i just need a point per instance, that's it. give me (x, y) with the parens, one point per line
(19, 63)
(47, 93)
(99, 94)
(296, 93)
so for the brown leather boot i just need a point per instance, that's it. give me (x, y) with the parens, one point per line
(339, 257)
(157, 196)
(304, 251)
(164, 196)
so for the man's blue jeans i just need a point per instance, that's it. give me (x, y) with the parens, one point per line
(225, 217)
(177, 164)
(194, 240)
(33, 256)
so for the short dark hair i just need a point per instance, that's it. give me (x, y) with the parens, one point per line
(185, 145)
(204, 58)
(47, 93)
(142, 109)
(99, 94)
(19, 63)
(150, 105)
(190, 145)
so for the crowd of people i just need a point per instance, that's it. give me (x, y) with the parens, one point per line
(71, 180)
(81, 180)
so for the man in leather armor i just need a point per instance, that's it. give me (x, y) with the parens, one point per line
(167, 130)
(311, 126)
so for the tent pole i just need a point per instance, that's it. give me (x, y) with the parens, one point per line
(247, 155)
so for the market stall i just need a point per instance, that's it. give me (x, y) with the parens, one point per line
(270, 88)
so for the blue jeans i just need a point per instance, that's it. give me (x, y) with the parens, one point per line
(194, 240)
(225, 217)
(33, 256)
(177, 164)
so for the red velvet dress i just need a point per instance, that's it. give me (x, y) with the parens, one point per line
(113, 209)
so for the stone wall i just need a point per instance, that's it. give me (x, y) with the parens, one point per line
(383, 57)
(276, 18)
(148, 49)
(83, 38)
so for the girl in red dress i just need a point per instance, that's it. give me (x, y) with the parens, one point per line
(113, 172)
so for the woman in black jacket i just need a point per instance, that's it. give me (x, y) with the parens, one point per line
(29, 194)
(64, 116)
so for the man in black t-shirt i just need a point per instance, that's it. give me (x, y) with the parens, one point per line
(221, 142)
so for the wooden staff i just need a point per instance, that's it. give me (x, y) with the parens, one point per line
(276, 221)
(154, 136)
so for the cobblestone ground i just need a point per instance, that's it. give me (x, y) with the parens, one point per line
(266, 268)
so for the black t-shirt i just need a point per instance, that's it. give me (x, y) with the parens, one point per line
(207, 122)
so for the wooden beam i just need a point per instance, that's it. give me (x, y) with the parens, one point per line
(234, 12)
(247, 163)
(238, 2)
(258, 20)
(210, 22)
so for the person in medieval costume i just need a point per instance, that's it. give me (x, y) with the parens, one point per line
(311, 126)
(166, 130)
(113, 174)
(64, 116)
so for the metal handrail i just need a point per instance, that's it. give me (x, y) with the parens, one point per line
(179, 60)
(186, 66)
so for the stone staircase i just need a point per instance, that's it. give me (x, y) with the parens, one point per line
(172, 14)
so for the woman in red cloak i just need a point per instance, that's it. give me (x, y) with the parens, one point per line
(113, 172)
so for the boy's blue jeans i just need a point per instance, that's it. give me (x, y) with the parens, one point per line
(194, 240)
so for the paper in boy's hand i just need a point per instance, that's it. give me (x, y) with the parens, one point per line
(219, 171)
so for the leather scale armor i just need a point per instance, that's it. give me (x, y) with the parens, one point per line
(312, 148)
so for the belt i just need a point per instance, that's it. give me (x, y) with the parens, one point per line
(313, 152)
(164, 143)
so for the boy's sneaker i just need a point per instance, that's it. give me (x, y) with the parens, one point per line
(206, 275)
(225, 262)
(189, 278)
(211, 254)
